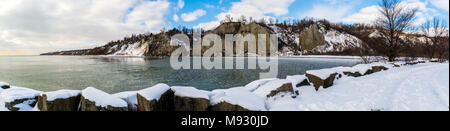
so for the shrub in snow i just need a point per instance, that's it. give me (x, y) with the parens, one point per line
(274, 87)
(130, 97)
(190, 99)
(62, 100)
(156, 98)
(236, 99)
(93, 99)
(4, 85)
(322, 78)
(19, 98)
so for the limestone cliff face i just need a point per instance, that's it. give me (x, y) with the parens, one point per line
(315, 38)
(245, 29)
(311, 38)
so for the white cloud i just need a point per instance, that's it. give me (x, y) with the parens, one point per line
(180, 4)
(192, 16)
(255, 8)
(369, 14)
(366, 15)
(33, 27)
(443, 4)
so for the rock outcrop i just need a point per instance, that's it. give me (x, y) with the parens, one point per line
(96, 100)
(190, 99)
(321, 78)
(233, 100)
(156, 98)
(310, 38)
(4, 85)
(130, 97)
(298, 80)
(18, 98)
(62, 100)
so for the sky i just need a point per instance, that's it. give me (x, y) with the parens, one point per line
(31, 27)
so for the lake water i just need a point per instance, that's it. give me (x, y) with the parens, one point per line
(116, 74)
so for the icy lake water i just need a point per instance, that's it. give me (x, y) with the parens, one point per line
(117, 74)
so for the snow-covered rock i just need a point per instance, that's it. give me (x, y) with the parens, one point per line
(236, 99)
(321, 78)
(4, 85)
(274, 87)
(130, 97)
(255, 84)
(156, 98)
(61, 100)
(348, 71)
(190, 99)
(93, 99)
(19, 98)
(298, 80)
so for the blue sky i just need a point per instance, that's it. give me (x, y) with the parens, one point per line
(31, 27)
(334, 10)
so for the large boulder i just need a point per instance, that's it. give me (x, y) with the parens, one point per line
(156, 98)
(274, 87)
(4, 85)
(19, 98)
(190, 99)
(236, 99)
(93, 99)
(322, 78)
(62, 100)
(130, 97)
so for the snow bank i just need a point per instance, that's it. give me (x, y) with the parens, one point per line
(270, 86)
(255, 84)
(345, 69)
(239, 96)
(422, 87)
(155, 92)
(61, 94)
(102, 99)
(17, 93)
(190, 92)
(362, 68)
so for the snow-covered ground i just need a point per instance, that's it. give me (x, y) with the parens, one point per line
(409, 88)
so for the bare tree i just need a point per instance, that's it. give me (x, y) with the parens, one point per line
(433, 31)
(394, 20)
(243, 19)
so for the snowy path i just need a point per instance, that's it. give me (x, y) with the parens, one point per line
(409, 88)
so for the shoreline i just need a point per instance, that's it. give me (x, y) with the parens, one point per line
(262, 90)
